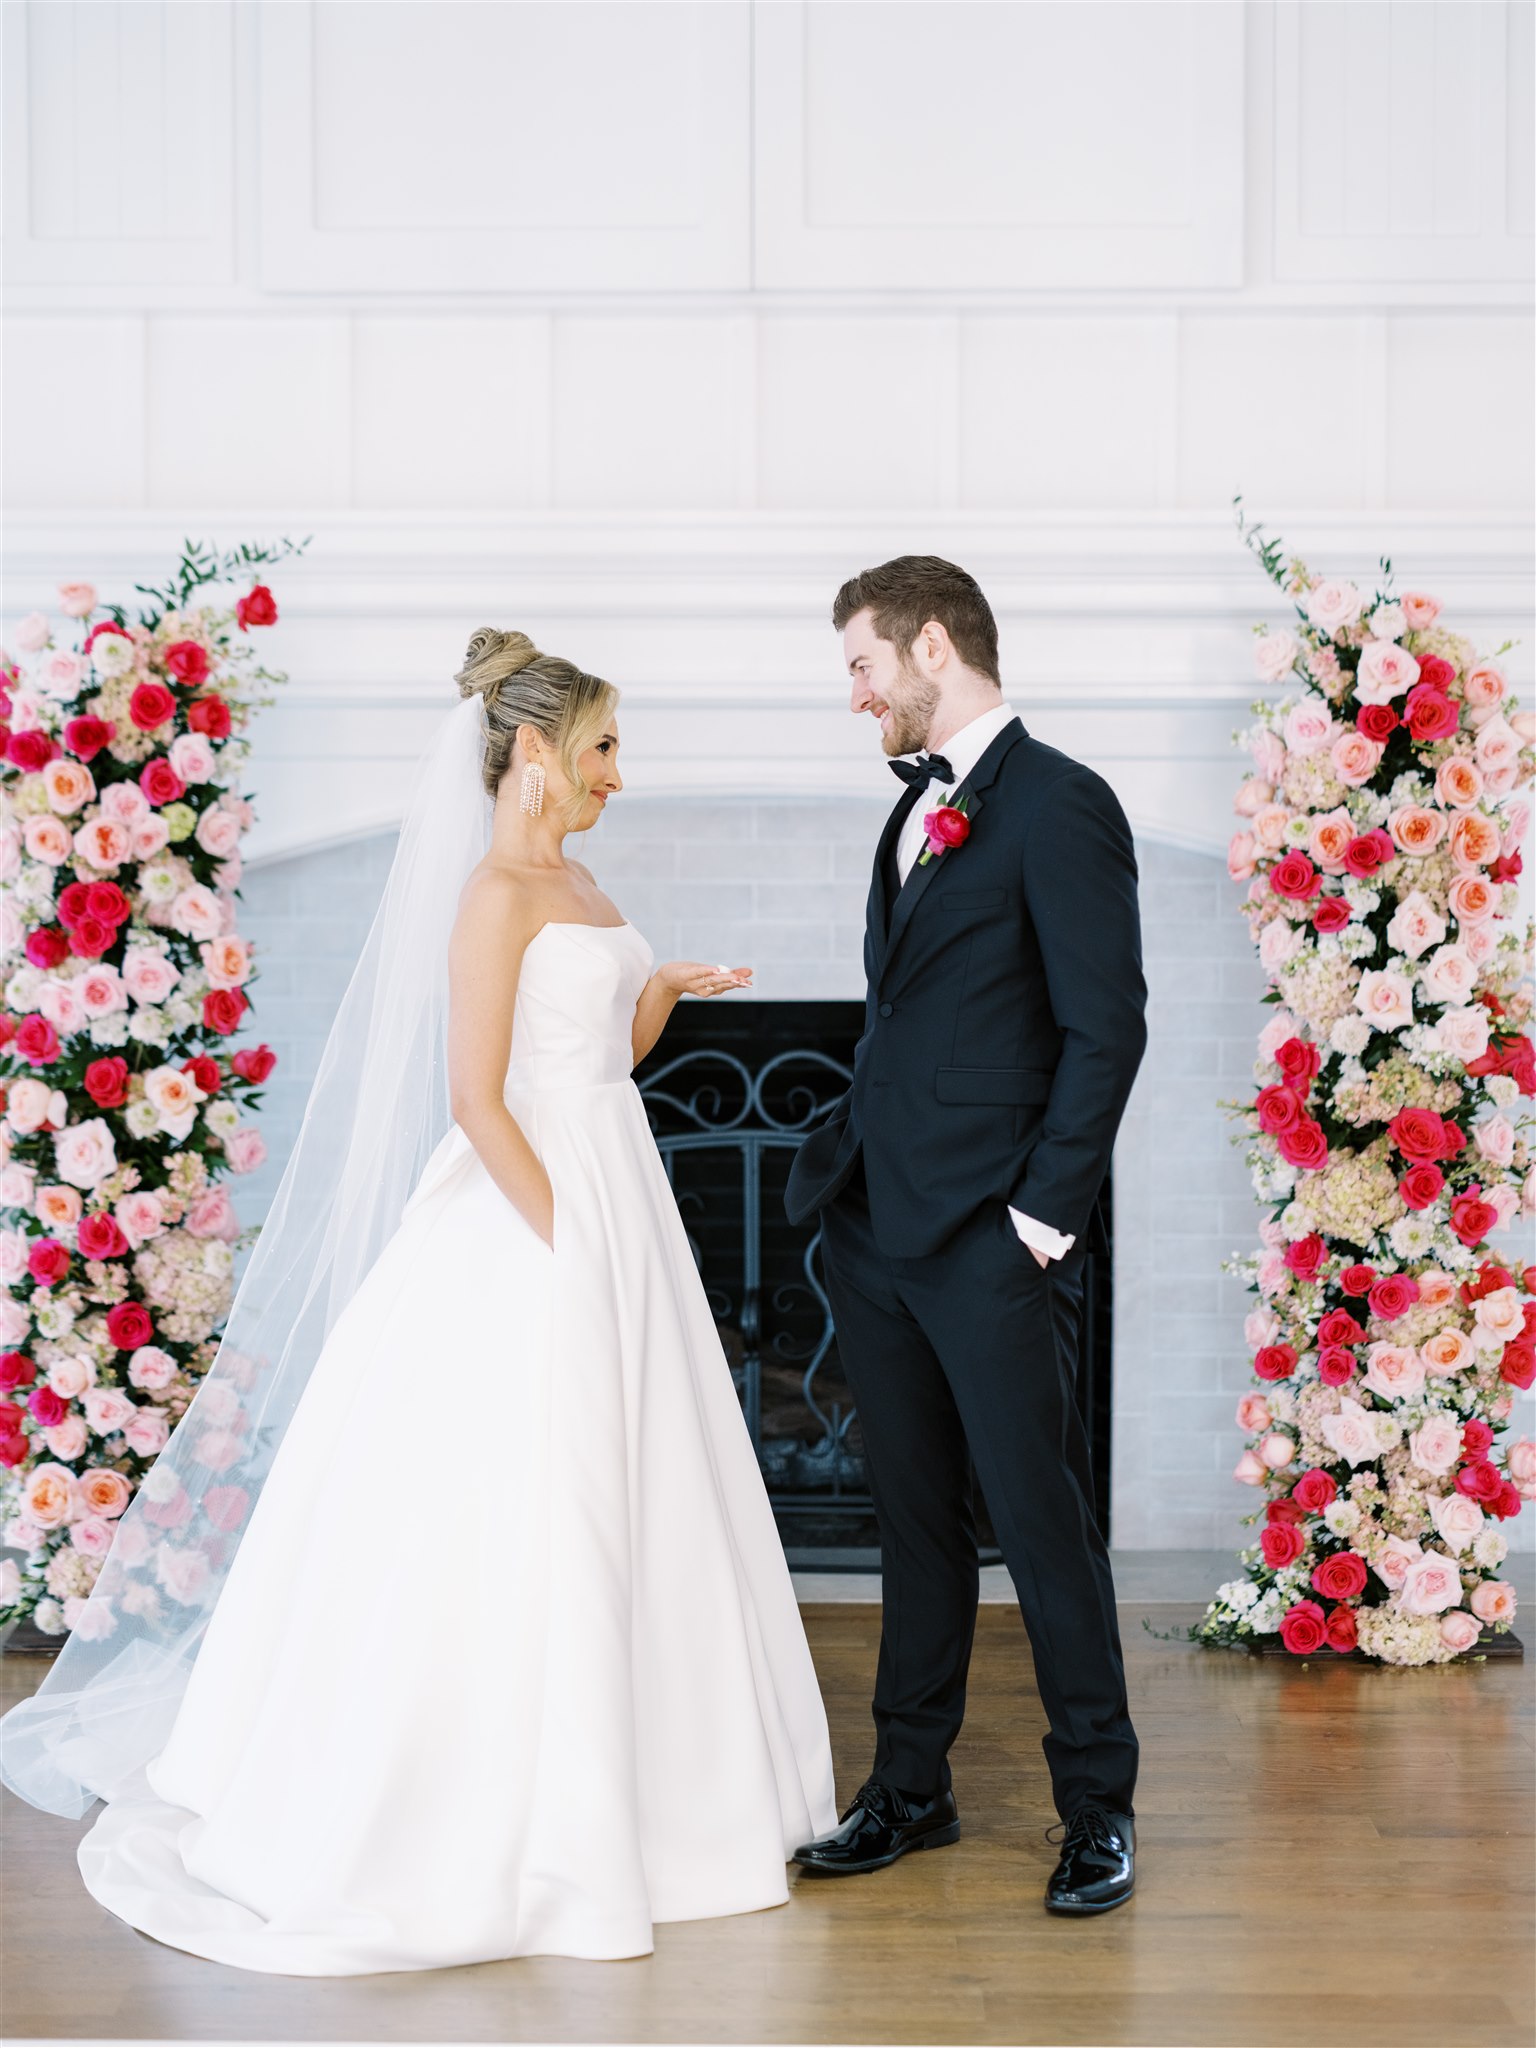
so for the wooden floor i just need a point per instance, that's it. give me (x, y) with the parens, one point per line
(1333, 1854)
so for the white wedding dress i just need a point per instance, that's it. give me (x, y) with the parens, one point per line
(508, 1661)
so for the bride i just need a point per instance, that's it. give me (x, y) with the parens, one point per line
(452, 1623)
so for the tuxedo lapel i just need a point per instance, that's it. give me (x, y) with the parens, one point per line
(921, 878)
(878, 909)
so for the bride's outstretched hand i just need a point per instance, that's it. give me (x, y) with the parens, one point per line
(695, 978)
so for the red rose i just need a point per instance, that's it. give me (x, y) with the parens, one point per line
(1517, 1366)
(1369, 853)
(204, 1071)
(106, 901)
(1421, 1185)
(128, 1325)
(13, 1450)
(1335, 1365)
(1357, 1279)
(1298, 1061)
(186, 661)
(16, 1370)
(1429, 714)
(1314, 1490)
(29, 751)
(150, 705)
(160, 782)
(1341, 1576)
(1285, 1510)
(1274, 1362)
(1393, 1295)
(85, 737)
(1302, 1628)
(91, 936)
(223, 1008)
(1330, 914)
(1305, 1256)
(1339, 1327)
(1306, 1146)
(106, 1082)
(99, 1237)
(1479, 1480)
(1418, 1134)
(254, 1063)
(37, 1041)
(947, 825)
(48, 1261)
(1295, 877)
(1278, 1109)
(210, 716)
(1472, 1218)
(1282, 1543)
(1508, 867)
(1508, 1504)
(1476, 1439)
(257, 608)
(1343, 1630)
(1377, 721)
(74, 900)
(46, 1407)
(1436, 671)
(47, 946)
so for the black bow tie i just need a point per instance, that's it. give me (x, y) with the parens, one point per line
(925, 769)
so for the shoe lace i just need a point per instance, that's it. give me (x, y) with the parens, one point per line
(1090, 1824)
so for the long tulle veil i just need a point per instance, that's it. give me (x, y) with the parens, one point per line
(378, 1109)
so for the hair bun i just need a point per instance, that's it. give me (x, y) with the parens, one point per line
(491, 657)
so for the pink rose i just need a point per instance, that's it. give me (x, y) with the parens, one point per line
(1250, 1470)
(1419, 611)
(60, 674)
(1332, 604)
(183, 1573)
(150, 835)
(1277, 1450)
(151, 1368)
(104, 844)
(245, 1149)
(1431, 1583)
(146, 1434)
(1350, 1433)
(91, 1620)
(1484, 685)
(1520, 1462)
(67, 1439)
(1435, 1447)
(1464, 1033)
(1448, 976)
(1395, 1371)
(1493, 1601)
(213, 1215)
(1356, 758)
(1458, 1630)
(91, 1536)
(1385, 999)
(140, 1216)
(1309, 726)
(85, 1153)
(1385, 671)
(46, 840)
(33, 634)
(1253, 1414)
(192, 757)
(148, 976)
(1275, 653)
(77, 600)
(101, 991)
(1457, 1520)
(196, 913)
(106, 1410)
(218, 832)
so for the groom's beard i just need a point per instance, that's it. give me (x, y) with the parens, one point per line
(912, 708)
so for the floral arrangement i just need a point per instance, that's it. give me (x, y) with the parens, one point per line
(122, 980)
(1389, 1134)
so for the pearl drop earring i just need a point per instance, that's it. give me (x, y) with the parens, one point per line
(531, 795)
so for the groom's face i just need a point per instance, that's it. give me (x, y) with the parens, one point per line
(888, 685)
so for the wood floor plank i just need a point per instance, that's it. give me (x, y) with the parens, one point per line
(1276, 1802)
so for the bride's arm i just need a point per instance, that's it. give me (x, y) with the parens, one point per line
(660, 994)
(485, 954)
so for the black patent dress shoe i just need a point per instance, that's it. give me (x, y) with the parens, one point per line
(881, 1825)
(1097, 1870)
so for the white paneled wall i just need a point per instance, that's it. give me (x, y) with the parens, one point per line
(640, 324)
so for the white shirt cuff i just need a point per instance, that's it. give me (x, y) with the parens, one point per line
(1039, 1236)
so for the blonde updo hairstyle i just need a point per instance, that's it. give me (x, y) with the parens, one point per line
(521, 686)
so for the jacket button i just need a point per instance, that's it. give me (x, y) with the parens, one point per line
(886, 1009)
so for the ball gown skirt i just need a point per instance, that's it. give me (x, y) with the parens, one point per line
(508, 1661)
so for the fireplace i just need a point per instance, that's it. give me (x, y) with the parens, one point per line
(730, 1094)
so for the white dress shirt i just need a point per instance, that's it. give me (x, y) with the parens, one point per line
(963, 750)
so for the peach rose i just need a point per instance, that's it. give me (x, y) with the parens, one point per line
(1448, 1351)
(46, 839)
(1458, 1630)
(1252, 793)
(1484, 685)
(1419, 611)
(1250, 1470)
(1436, 1445)
(104, 844)
(1475, 841)
(1472, 898)
(174, 1096)
(104, 1492)
(48, 1496)
(1329, 840)
(58, 1208)
(1240, 856)
(196, 912)
(1269, 825)
(1277, 1450)
(1500, 1315)
(68, 784)
(67, 1439)
(1356, 758)
(226, 962)
(1253, 1414)
(1395, 1371)
(1416, 830)
(1493, 1601)
(1458, 782)
(1431, 1583)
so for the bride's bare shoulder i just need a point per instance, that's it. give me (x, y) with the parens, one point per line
(496, 900)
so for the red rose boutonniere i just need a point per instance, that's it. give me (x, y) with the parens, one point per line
(946, 827)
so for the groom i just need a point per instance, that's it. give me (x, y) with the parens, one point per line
(958, 1183)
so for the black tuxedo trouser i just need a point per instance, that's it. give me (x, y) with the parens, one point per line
(971, 1351)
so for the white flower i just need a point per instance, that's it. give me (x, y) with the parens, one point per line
(109, 1030)
(1342, 1515)
(1503, 1090)
(1349, 1035)
(1412, 1236)
(55, 1318)
(222, 1117)
(49, 1616)
(149, 1027)
(1387, 622)
(141, 1117)
(1275, 653)
(1490, 1548)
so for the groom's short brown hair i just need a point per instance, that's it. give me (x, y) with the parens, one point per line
(903, 595)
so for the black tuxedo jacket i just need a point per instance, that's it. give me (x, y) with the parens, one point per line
(1005, 1017)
